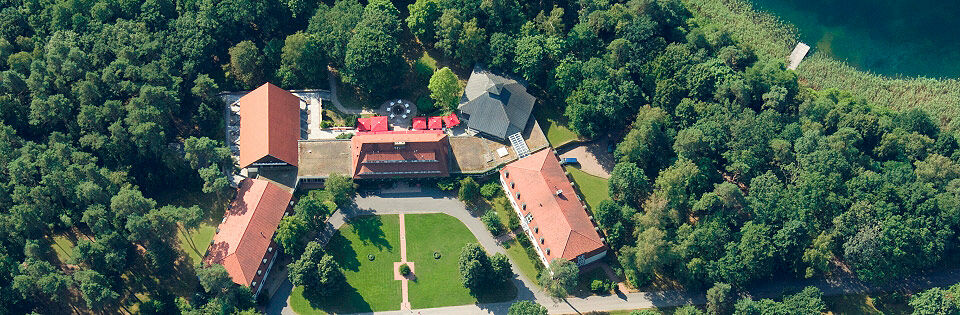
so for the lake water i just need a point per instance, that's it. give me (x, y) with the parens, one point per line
(888, 37)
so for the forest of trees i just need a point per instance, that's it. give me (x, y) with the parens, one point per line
(729, 170)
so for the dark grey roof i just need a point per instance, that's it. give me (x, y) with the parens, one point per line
(496, 105)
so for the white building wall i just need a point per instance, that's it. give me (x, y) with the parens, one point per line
(523, 222)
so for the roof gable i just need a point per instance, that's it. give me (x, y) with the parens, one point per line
(496, 105)
(560, 220)
(247, 229)
(269, 125)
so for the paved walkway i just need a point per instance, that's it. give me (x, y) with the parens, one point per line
(433, 201)
(405, 282)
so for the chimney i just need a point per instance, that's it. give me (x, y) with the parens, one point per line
(559, 192)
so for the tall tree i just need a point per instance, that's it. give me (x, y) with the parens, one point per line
(246, 64)
(559, 278)
(373, 60)
(303, 64)
(445, 88)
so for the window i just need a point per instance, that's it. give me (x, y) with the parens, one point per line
(529, 217)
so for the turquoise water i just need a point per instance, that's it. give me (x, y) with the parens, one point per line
(888, 37)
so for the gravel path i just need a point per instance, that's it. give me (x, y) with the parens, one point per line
(592, 156)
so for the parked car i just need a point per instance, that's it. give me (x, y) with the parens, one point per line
(566, 161)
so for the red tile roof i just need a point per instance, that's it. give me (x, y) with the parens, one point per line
(269, 125)
(451, 120)
(400, 154)
(435, 122)
(559, 220)
(419, 123)
(246, 232)
(375, 123)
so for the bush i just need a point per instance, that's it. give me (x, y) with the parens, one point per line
(513, 223)
(492, 220)
(404, 270)
(599, 286)
(345, 136)
(490, 190)
(326, 124)
(469, 190)
(424, 105)
(447, 184)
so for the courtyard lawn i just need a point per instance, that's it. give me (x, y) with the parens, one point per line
(553, 123)
(371, 284)
(592, 188)
(195, 241)
(438, 280)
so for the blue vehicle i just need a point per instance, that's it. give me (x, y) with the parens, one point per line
(566, 161)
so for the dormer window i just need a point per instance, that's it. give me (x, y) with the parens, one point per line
(536, 229)
(264, 260)
(506, 174)
(253, 283)
(269, 249)
(259, 272)
(548, 251)
(529, 217)
(541, 242)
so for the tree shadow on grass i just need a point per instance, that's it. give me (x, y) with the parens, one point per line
(369, 230)
(494, 293)
(343, 252)
(347, 301)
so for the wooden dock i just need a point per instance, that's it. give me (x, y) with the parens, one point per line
(797, 55)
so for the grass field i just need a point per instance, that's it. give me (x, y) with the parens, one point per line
(529, 266)
(438, 280)
(63, 247)
(593, 189)
(553, 123)
(195, 241)
(372, 287)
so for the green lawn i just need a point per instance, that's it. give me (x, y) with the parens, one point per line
(529, 265)
(425, 66)
(553, 123)
(195, 241)
(372, 287)
(438, 280)
(593, 189)
(63, 246)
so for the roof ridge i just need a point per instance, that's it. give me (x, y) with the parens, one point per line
(254, 209)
